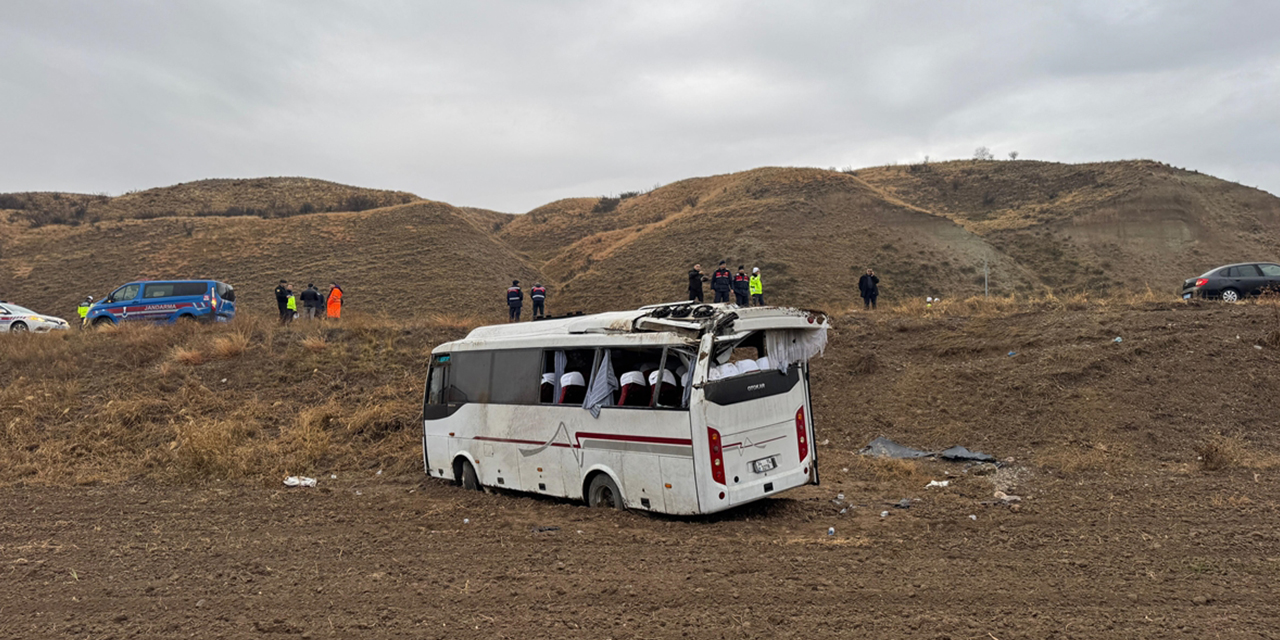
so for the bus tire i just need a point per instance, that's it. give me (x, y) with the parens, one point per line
(603, 493)
(467, 477)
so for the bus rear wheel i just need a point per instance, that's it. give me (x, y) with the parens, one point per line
(468, 478)
(604, 493)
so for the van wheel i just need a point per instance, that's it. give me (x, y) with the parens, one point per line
(187, 318)
(1230, 295)
(468, 478)
(102, 322)
(604, 493)
(18, 327)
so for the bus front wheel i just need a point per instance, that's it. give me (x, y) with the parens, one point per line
(603, 492)
(468, 478)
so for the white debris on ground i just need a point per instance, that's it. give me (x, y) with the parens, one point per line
(299, 481)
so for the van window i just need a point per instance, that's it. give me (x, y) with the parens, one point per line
(174, 289)
(125, 293)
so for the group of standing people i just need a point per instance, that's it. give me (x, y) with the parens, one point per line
(515, 301)
(314, 304)
(747, 290)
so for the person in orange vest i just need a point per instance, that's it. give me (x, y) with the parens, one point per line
(334, 300)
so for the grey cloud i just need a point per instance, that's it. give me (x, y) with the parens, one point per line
(510, 104)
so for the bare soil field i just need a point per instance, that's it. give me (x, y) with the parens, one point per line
(1147, 469)
(1129, 556)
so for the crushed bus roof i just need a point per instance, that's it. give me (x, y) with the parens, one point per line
(679, 320)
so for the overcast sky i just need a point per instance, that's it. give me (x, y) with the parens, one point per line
(509, 105)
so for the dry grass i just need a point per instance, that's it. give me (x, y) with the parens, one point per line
(108, 406)
(184, 355)
(1218, 453)
(316, 343)
(230, 346)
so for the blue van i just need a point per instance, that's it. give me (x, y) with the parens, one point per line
(166, 302)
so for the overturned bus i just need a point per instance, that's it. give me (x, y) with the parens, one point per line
(678, 408)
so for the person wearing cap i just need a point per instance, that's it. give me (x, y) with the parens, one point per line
(742, 287)
(282, 299)
(515, 300)
(83, 310)
(722, 283)
(757, 288)
(538, 294)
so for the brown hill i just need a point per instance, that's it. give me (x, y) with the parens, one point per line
(1098, 225)
(407, 259)
(926, 228)
(261, 197)
(811, 231)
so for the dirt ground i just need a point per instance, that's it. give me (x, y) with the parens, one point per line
(1124, 529)
(1151, 556)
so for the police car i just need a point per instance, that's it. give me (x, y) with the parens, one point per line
(166, 302)
(15, 319)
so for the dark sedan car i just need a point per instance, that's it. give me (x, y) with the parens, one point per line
(1234, 282)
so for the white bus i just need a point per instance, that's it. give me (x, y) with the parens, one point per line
(677, 408)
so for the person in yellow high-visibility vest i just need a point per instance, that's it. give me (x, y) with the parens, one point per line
(83, 310)
(291, 307)
(757, 288)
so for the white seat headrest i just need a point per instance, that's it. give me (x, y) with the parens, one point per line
(763, 363)
(572, 379)
(667, 377)
(684, 378)
(747, 366)
(549, 378)
(728, 370)
(633, 377)
(681, 370)
(714, 373)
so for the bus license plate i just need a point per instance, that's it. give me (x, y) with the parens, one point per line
(761, 466)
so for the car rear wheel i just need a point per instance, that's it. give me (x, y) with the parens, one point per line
(18, 327)
(102, 322)
(1230, 295)
(604, 493)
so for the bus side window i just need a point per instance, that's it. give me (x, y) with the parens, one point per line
(515, 376)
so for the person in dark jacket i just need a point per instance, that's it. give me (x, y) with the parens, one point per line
(722, 283)
(742, 287)
(515, 300)
(695, 283)
(282, 300)
(868, 286)
(310, 302)
(538, 294)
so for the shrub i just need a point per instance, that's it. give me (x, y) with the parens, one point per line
(359, 202)
(606, 205)
(12, 201)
